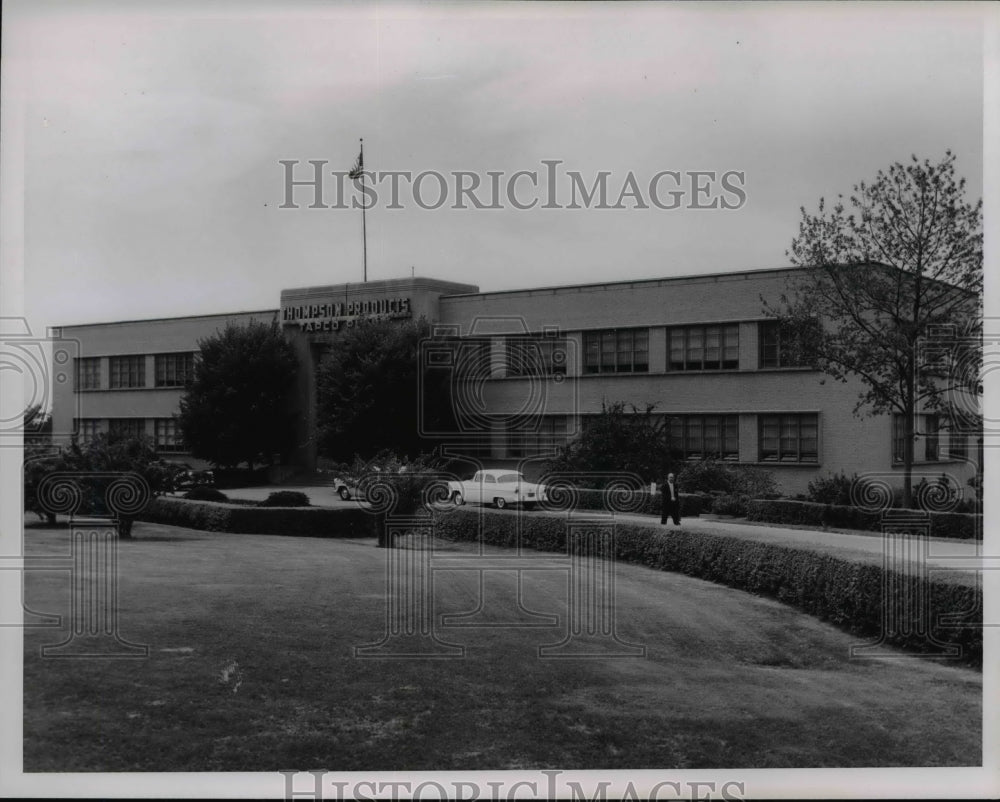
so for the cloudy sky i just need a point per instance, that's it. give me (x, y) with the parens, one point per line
(153, 134)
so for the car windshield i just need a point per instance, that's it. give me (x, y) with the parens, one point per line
(507, 478)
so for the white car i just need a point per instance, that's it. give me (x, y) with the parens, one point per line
(501, 487)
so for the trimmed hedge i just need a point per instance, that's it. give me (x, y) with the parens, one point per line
(846, 593)
(206, 494)
(254, 520)
(956, 525)
(286, 498)
(691, 505)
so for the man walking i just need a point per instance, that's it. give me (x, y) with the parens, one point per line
(671, 501)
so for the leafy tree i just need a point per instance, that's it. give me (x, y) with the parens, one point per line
(398, 486)
(901, 268)
(103, 454)
(37, 424)
(368, 391)
(238, 408)
(619, 439)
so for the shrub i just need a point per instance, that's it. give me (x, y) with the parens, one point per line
(832, 489)
(715, 477)
(731, 504)
(754, 482)
(286, 498)
(953, 525)
(255, 520)
(206, 494)
(846, 593)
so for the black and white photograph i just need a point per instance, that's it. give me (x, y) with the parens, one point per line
(504, 400)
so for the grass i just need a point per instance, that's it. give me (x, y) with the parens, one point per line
(251, 668)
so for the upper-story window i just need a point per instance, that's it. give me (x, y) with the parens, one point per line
(536, 356)
(174, 370)
(778, 346)
(616, 351)
(86, 428)
(88, 373)
(127, 371)
(704, 347)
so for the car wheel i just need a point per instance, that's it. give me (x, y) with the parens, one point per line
(458, 499)
(344, 493)
(500, 503)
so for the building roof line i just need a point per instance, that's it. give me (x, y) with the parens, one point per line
(159, 319)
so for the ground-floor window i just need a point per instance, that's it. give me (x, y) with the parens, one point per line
(127, 427)
(536, 435)
(87, 428)
(168, 435)
(925, 429)
(705, 436)
(789, 437)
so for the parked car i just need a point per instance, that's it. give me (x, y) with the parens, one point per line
(346, 489)
(186, 477)
(499, 487)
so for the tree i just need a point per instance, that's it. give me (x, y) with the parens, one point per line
(37, 424)
(368, 391)
(887, 279)
(238, 408)
(619, 439)
(92, 467)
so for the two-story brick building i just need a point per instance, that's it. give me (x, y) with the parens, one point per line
(535, 363)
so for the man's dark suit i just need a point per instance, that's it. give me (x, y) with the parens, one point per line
(671, 503)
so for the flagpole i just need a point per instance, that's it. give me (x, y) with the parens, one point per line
(364, 206)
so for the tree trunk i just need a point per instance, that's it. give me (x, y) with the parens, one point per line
(125, 528)
(908, 435)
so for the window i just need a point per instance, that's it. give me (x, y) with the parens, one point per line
(127, 427)
(536, 356)
(931, 440)
(88, 373)
(616, 351)
(86, 428)
(792, 437)
(167, 434)
(704, 347)
(777, 347)
(127, 371)
(530, 437)
(958, 445)
(702, 436)
(174, 370)
(926, 428)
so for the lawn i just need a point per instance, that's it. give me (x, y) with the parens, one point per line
(251, 667)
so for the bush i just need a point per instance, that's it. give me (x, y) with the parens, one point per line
(846, 593)
(711, 476)
(731, 504)
(953, 525)
(706, 476)
(832, 489)
(205, 494)
(255, 520)
(286, 498)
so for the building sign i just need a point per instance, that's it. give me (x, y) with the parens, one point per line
(345, 314)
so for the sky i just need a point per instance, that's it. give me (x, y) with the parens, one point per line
(153, 136)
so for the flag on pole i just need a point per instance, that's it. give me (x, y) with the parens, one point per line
(358, 167)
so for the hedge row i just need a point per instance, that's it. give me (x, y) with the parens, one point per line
(651, 504)
(957, 525)
(846, 593)
(299, 521)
